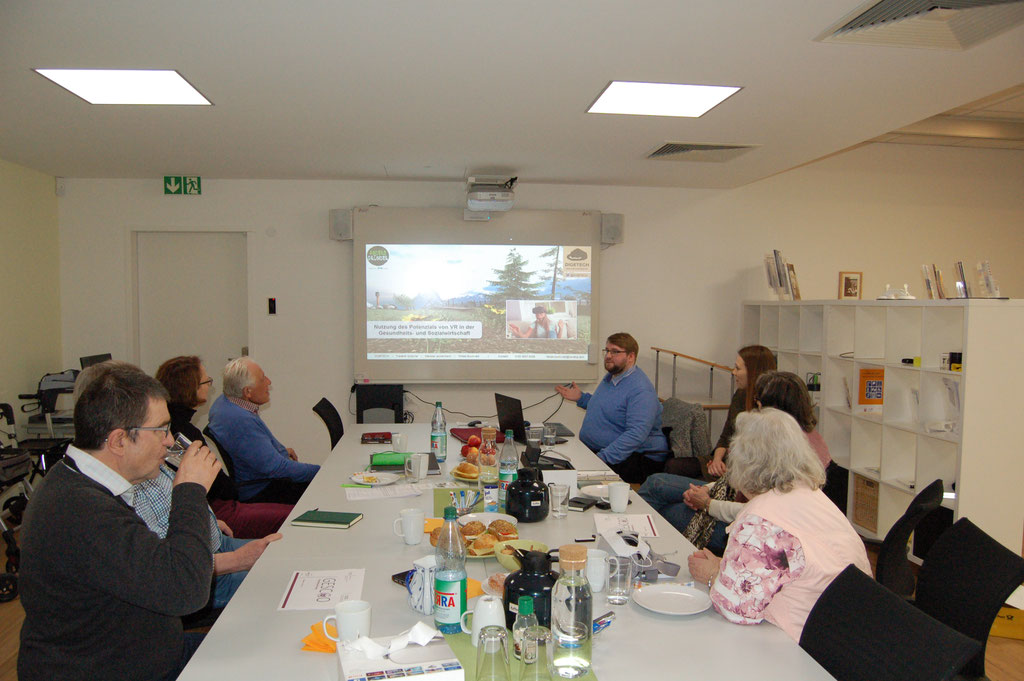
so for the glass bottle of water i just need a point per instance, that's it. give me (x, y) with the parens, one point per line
(439, 434)
(525, 619)
(571, 615)
(450, 577)
(508, 465)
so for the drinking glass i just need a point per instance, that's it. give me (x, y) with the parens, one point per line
(620, 579)
(533, 436)
(550, 435)
(536, 655)
(559, 499)
(492, 655)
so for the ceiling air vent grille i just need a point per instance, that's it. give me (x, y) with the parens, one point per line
(935, 24)
(707, 153)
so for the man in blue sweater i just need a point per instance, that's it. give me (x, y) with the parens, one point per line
(623, 420)
(264, 469)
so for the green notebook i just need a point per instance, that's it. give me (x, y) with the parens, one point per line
(335, 519)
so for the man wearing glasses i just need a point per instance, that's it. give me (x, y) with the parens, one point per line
(623, 420)
(103, 595)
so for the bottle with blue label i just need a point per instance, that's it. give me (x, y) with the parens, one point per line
(439, 434)
(450, 577)
(508, 465)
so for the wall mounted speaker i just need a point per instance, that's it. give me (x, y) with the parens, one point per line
(340, 227)
(612, 228)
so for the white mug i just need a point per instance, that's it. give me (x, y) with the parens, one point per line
(489, 610)
(409, 525)
(597, 569)
(618, 496)
(352, 618)
(398, 441)
(416, 466)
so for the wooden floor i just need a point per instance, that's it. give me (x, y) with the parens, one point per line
(1004, 657)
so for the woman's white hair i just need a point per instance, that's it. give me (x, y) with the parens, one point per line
(237, 377)
(770, 451)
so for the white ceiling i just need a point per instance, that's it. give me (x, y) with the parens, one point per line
(442, 89)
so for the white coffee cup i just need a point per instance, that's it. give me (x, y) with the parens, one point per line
(416, 466)
(352, 618)
(597, 569)
(618, 496)
(398, 441)
(409, 525)
(489, 610)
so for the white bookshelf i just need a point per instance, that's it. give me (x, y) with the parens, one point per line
(980, 462)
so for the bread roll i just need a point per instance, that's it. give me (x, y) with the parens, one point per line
(484, 544)
(503, 530)
(468, 470)
(473, 529)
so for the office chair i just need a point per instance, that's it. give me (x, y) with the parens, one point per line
(380, 399)
(893, 570)
(964, 580)
(326, 411)
(229, 465)
(860, 631)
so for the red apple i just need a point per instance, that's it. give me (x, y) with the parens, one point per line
(465, 450)
(473, 441)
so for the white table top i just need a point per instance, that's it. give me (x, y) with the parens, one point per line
(253, 640)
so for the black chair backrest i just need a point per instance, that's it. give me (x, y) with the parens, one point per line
(860, 631)
(893, 570)
(224, 454)
(7, 412)
(964, 580)
(390, 397)
(326, 411)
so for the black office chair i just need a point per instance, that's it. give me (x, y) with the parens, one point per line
(380, 399)
(893, 570)
(331, 418)
(860, 631)
(964, 580)
(225, 456)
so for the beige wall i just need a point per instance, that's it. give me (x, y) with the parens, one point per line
(30, 343)
(689, 257)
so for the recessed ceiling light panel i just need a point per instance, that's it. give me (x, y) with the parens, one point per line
(112, 86)
(660, 99)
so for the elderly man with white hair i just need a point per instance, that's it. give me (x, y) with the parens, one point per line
(264, 469)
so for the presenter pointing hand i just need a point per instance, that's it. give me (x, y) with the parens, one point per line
(571, 393)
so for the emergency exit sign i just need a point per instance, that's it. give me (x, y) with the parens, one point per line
(183, 184)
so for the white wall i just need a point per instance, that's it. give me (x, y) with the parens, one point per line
(689, 257)
(29, 288)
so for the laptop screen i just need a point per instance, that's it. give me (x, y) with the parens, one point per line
(510, 416)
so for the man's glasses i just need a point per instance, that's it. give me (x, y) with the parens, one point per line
(208, 381)
(606, 351)
(165, 430)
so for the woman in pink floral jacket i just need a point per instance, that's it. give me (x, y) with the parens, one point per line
(789, 542)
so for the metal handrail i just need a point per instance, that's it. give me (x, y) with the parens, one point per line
(711, 373)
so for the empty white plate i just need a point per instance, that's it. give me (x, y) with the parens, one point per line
(595, 492)
(672, 599)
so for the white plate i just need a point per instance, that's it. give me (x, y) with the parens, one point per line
(487, 518)
(376, 479)
(595, 492)
(489, 590)
(672, 599)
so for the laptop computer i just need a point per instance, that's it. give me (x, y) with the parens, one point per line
(532, 458)
(510, 416)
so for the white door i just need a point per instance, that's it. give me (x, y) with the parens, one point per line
(192, 299)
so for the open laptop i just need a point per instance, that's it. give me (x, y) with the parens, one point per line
(510, 416)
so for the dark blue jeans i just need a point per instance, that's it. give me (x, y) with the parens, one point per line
(664, 492)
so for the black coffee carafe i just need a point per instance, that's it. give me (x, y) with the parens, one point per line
(536, 579)
(528, 498)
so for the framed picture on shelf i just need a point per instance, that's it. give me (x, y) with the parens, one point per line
(850, 284)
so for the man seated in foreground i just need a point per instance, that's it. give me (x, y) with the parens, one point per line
(265, 470)
(103, 595)
(623, 420)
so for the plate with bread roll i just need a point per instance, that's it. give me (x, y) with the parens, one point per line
(466, 471)
(481, 538)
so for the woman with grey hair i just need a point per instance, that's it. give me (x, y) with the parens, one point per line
(789, 541)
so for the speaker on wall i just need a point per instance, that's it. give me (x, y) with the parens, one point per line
(340, 227)
(612, 228)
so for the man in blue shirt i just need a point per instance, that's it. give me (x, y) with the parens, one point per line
(265, 470)
(623, 420)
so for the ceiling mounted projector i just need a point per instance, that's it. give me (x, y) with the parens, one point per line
(487, 194)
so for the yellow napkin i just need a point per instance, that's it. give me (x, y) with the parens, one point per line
(431, 524)
(473, 588)
(318, 642)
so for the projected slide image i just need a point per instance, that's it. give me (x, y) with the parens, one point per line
(430, 301)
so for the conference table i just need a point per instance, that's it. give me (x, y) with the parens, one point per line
(253, 639)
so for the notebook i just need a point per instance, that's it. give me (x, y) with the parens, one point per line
(394, 462)
(333, 519)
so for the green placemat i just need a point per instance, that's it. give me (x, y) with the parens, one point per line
(443, 497)
(464, 650)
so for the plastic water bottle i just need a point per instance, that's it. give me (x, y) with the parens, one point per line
(450, 577)
(571, 615)
(525, 619)
(439, 434)
(508, 465)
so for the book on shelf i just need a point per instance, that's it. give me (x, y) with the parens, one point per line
(929, 287)
(338, 520)
(963, 289)
(940, 293)
(986, 282)
(870, 391)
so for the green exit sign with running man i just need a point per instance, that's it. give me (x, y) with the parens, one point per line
(183, 184)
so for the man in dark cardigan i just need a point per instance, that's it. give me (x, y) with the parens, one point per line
(103, 595)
